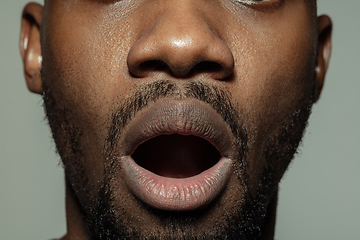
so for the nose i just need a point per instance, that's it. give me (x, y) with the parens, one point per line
(182, 42)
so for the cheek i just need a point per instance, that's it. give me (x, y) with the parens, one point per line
(274, 74)
(86, 63)
(275, 63)
(85, 67)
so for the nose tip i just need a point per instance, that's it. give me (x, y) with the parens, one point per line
(181, 47)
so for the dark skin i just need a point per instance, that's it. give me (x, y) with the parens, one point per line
(265, 60)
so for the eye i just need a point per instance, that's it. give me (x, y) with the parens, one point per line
(250, 1)
(257, 1)
(261, 4)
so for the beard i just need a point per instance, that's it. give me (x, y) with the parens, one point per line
(245, 220)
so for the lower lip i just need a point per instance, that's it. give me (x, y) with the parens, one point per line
(176, 194)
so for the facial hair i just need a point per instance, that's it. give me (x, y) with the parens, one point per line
(105, 220)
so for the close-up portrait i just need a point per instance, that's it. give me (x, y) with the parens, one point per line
(180, 120)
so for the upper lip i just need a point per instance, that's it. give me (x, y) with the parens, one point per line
(184, 117)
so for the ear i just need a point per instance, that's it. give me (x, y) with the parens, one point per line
(30, 47)
(324, 52)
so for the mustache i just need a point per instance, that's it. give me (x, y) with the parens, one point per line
(218, 98)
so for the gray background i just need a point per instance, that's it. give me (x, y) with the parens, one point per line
(319, 195)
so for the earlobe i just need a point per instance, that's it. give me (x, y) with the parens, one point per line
(324, 52)
(30, 47)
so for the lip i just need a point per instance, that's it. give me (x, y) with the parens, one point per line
(183, 117)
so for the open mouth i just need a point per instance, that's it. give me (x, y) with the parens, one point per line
(177, 154)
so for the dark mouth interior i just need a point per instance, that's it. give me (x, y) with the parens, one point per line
(176, 156)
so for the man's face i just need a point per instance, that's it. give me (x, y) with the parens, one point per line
(177, 119)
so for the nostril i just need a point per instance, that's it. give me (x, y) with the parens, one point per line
(206, 67)
(149, 66)
(153, 65)
(203, 67)
(161, 66)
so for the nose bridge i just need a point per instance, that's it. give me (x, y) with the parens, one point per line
(183, 32)
(181, 37)
(183, 25)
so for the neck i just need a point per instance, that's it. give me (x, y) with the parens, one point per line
(269, 229)
(76, 228)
